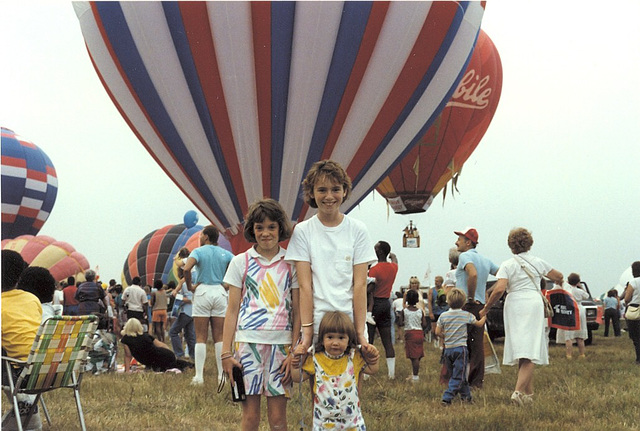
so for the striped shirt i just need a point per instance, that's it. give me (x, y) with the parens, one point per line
(454, 326)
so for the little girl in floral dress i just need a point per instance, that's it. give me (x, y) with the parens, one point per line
(336, 365)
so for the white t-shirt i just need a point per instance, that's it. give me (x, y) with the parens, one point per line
(635, 296)
(58, 297)
(397, 304)
(332, 253)
(450, 279)
(135, 297)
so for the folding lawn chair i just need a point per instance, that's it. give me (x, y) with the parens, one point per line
(57, 360)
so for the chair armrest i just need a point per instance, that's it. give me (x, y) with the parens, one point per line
(14, 360)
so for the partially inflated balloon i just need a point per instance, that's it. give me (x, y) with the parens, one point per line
(236, 100)
(190, 218)
(440, 154)
(60, 258)
(29, 186)
(152, 257)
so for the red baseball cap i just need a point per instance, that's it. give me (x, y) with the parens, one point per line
(470, 233)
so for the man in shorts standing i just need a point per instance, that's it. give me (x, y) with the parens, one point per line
(210, 297)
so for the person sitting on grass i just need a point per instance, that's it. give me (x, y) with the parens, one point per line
(452, 330)
(147, 350)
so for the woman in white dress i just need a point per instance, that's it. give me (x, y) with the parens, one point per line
(524, 322)
(568, 337)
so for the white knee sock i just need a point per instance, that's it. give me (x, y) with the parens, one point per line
(218, 347)
(201, 357)
(391, 365)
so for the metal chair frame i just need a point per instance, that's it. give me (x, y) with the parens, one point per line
(57, 360)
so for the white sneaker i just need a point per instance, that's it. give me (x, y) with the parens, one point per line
(516, 398)
(436, 343)
(197, 381)
(370, 319)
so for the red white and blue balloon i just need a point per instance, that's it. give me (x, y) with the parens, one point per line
(236, 100)
(29, 186)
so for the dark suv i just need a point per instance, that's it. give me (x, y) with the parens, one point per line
(495, 317)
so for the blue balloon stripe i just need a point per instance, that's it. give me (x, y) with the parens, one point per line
(282, 18)
(353, 24)
(413, 100)
(185, 55)
(121, 41)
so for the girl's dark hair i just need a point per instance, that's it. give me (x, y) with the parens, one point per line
(573, 279)
(412, 297)
(157, 284)
(262, 209)
(337, 321)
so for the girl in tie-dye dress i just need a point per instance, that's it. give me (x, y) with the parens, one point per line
(336, 366)
(262, 315)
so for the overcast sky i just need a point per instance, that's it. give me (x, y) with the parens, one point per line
(561, 157)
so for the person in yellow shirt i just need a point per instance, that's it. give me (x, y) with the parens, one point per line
(21, 316)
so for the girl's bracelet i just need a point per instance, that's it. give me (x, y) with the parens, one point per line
(306, 325)
(229, 356)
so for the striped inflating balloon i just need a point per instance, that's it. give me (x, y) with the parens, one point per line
(236, 100)
(29, 186)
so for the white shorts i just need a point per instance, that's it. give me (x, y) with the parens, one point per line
(210, 300)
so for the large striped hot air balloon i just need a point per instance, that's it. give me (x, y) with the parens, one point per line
(440, 154)
(236, 100)
(152, 257)
(29, 186)
(60, 258)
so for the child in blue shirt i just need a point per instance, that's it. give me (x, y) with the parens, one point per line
(452, 331)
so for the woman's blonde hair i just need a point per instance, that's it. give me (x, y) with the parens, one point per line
(336, 321)
(412, 279)
(133, 328)
(520, 240)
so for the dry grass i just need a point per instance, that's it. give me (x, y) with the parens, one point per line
(601, 393)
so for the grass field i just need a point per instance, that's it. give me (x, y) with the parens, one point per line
(600, 393)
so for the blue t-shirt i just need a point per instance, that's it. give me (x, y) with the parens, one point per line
(454, 326)
(212, 262)
(610, 302)
(484, 267)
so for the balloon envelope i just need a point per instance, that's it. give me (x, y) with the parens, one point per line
(152, 257)
(29, 186)
(60, 258)
(236, 100)
(190, 218)
(440, 154)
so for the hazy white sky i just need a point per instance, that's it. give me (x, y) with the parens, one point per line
(561, 156)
